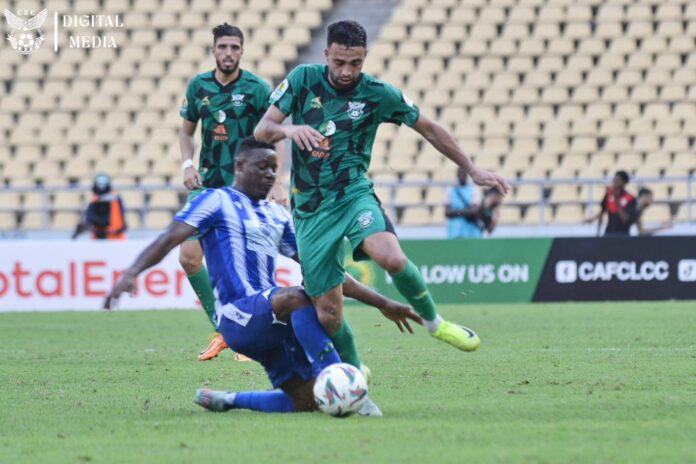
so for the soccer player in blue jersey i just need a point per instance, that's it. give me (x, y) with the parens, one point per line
(241, 234)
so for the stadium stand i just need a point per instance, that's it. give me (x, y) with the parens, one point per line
(555, 94)
(560, 91)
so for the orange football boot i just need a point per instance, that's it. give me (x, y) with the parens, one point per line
(216, 345)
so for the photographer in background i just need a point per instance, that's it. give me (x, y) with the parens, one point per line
(469, 217)
(105, 215)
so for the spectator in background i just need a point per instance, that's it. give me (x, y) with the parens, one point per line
(467, 215)
(645, 199)
(620, 207)
(105, 214)
(463, 204)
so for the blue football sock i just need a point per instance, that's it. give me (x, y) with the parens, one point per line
(263, 401)
(313, 338)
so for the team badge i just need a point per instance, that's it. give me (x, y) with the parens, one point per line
(316, 103)
(205, 101)
(238, 99)
(355, 109)
(26, 36)
(366, 219)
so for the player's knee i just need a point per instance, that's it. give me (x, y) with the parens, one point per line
(329, 318)
(190, 263)
(394, 264)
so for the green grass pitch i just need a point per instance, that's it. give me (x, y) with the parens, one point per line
(554, 383)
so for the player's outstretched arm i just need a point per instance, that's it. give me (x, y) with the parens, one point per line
(444, 142)
(176, 233)
(392, 310)
(271, 130)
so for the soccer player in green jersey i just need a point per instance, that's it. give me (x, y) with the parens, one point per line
(336, 110)
(228, 102)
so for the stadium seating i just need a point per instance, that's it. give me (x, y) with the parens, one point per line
(549, 90)
(66, 116)
(540, 90)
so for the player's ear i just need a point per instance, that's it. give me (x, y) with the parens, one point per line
(326, 53)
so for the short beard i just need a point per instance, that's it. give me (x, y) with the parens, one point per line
(225, 71)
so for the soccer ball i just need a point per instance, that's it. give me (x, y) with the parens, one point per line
(340, 390)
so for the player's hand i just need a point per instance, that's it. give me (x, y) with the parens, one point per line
(278, 194)
(490, 179)
(126, 284)
(192, 179)
(400, 314)
(304, 136)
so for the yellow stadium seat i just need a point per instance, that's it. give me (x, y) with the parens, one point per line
(408, 196)
(569, 214)
(8, 220)
(34, 220)
(535, 215)
(65, 220)
(416, 216)
(157, 219)
(164, 199)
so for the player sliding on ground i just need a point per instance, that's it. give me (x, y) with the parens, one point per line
(228, 102)
(336, 110)
(241, 234)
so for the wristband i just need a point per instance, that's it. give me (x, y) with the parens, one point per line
(187, 164)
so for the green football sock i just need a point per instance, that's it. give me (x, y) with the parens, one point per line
(344, 343)
(200, 281)
(411, 285)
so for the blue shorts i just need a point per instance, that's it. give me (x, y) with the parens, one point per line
(249, 327)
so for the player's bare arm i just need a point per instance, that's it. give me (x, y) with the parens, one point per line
(272, 130)
(397, 312)
(175, 233)
(444, 142)
(192, 180)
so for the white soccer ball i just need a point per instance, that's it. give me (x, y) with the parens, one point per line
(340, 390)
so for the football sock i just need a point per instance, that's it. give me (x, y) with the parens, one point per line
(411, 285)
(263, 401)
(313, 338)
(345, 344)
(200, 281)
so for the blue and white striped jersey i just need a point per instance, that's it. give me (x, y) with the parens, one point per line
(240, 240)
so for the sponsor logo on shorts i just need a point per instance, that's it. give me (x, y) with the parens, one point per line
(366, 219)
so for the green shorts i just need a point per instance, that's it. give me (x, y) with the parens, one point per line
(320, 240)
(192, 196)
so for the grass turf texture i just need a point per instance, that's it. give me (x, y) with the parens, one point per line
(551, 383)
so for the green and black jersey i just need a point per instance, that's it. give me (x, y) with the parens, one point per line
(228, 113)
(337, 170)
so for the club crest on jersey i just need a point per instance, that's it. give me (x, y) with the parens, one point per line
(316, 103)
(205, 101)
(355, 109)
(238, 99)
(366, 219)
